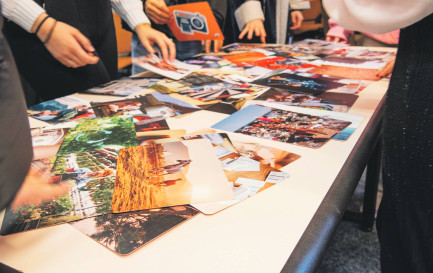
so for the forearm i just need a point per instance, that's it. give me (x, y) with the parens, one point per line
(250, 10)
(299, 4)
(22, 12)
(377, 16)
(131, 11)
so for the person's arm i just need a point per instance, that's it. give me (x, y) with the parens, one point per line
(376, 16)
(64, 42)
(337, 33)
(249, 17)
(296, 6)
(132, 12)
(219, 9)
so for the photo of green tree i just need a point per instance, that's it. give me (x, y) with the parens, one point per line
(93, 134)
(126, 232)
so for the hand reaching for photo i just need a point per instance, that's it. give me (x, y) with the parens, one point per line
(297, 19)
(149, 36)
(67, 44)
(254, 27)
(387, 69)
(217, 45)
(38, 188)
(157, 11)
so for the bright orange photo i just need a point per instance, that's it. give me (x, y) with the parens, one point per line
(194, 21)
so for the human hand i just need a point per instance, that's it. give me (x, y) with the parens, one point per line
(254, 27)
(297, 19)
(336, 39)
(217, 45)
(387, 69)
(67, 44)
(148, 36)
(38, 188)
(157, 11)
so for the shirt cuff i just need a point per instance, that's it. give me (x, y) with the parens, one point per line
(248, 11)
(299, 4)
(23, 13)
(131, 11)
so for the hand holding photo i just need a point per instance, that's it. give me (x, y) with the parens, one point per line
(175, 70)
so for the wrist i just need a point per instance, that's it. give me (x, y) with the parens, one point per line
(46, 28)
(38, 21)
(141, 26)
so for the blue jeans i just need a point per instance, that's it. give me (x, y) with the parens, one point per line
(184, 50)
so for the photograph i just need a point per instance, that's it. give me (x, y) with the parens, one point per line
(91, 176)
(248, 47)
(146, 124)
(353, 119)
(94, 134)
(174, 70)
(194, 21)
(276, 158)
(168, 86)
(168, 174)
(331, 101)
(46, 142)
(241, 58)
(283, 126)
(207, 61)
(347, 72)
(298, 83)
(124, 233)
(144, 137)
(154, 106)
(261, 172)
(279, 62)
(123, 87)
(223, 90)
(356, 58)
(62, 109)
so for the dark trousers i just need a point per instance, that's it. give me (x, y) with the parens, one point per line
(47, 76)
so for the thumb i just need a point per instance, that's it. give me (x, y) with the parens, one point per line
(85, 43)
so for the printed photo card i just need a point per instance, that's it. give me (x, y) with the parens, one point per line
(194, 21)
(125, 233)
(168, 174)
(293, 127)
(123, 87)
(63, 109)
(173, 70)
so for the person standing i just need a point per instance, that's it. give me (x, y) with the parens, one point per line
(405, 217)
(67, 46)
(265, 21)
(159, 15)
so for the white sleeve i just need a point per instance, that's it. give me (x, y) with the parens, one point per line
(22, 12)
(299, 4)
(248, 11)
(131, 11)
(377, 16)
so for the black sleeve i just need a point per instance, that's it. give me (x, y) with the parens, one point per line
(219, 8)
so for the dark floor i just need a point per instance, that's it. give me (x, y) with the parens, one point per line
(352, 250)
